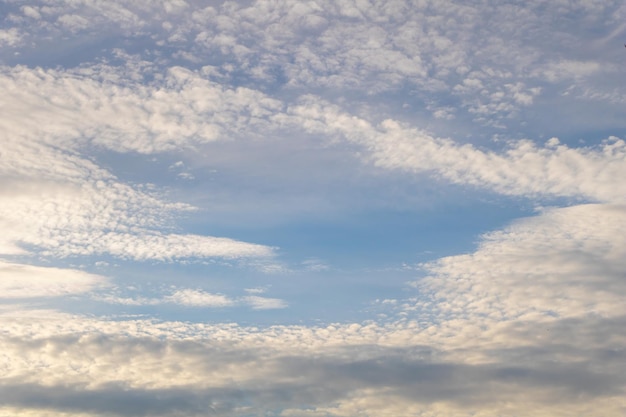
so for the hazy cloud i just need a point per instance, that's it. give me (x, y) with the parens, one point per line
(26, 281)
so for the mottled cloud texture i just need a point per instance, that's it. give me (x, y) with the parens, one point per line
(124, 293)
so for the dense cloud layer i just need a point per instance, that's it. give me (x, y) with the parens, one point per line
(171, 368)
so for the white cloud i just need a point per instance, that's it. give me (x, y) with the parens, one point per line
(85, 105)
(169, 368)
(104, 217)
(569, 69)
(177, 165)
(264, 303)
(522, 169)
(185, 176)
(315, 265)
(196, 298)
(26, 281)
(366, 47)
(128, 301)
(56, 200)
(10, 37)
(565, 263)
(32, 12)
(141, 246)
(363, 46)
(529, 324)
(73, 22)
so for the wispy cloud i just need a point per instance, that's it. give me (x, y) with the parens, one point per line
(198, 298)
(27, 281)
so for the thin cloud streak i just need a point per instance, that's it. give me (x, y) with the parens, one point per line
(195, 298)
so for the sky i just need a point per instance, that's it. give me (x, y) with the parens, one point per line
(312, 208)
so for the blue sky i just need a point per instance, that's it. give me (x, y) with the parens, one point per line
(288, 208)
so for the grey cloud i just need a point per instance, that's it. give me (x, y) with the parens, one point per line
(112, 400)
(429, 381)
(274, 382)
(529, 365)
(532, 320)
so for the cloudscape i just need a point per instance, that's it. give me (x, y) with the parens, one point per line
(312, 208)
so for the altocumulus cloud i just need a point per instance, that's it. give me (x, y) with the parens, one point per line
(529, 323)
(58, 200)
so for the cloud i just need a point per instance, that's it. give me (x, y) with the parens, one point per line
(26, 281)
(419, 380)
(144, 246)
(10, 37)
(338, 369)
(104, 218)
(32, 12)
(315, 265)
(568, 69)
(358, 47)
(188, 297)
(99, 104)
(60, 203)
(565, 263)
(195, 298)
(264, 303)
(530, 323)
(523, 169)
(113, 400)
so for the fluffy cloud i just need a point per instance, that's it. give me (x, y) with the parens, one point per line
(528, 324)
(9, 37)
(58, 201)
(100, 218)
(523, 169)
(183, 112)
(566, 262)
(489, 63)
(171, 368)
(546, 289)
(99, 105)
